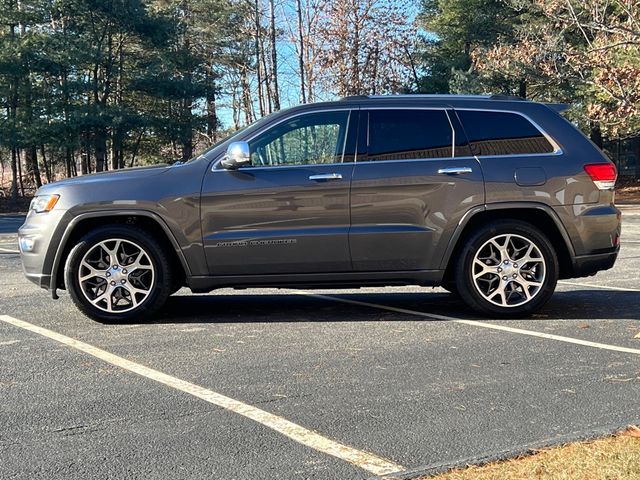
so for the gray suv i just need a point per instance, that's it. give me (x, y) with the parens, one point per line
(492, 198)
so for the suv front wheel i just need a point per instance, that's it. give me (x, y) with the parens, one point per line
(118, 273)
(507, 268)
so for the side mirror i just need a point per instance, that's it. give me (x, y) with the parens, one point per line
(238, 155)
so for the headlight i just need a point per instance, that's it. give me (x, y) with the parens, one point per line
(43, 203)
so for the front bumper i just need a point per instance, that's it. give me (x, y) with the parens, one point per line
(41, 233)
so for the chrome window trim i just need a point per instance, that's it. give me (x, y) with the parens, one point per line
(453, 137)
(557, 150)
(442, 108)
(271, 167)
(411, 160)
(216, 162)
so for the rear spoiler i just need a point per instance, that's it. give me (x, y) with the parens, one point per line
(558, 107)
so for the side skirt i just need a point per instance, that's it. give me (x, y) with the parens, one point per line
(429, 278)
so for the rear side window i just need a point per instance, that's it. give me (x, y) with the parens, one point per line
(502, 133)
(409, 135)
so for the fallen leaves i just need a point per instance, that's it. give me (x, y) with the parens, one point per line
(631, 431)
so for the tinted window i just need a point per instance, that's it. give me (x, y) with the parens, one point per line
(502, 133)
(409, 134)
(309, 139)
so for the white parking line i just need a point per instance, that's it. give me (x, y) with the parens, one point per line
(604, 287)
(477, 323)
(364, 460)
(6, 250)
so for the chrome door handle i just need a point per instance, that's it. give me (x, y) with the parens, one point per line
(454, 170)
(326, 176)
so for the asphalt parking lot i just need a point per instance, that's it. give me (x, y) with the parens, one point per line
(283, 384)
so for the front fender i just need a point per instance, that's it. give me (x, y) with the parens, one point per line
(64, 247)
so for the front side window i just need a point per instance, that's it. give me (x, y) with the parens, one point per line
(502, 133)
(315, 138)
(409, 135)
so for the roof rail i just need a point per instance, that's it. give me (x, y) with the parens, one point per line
(507, 97)
(436, 96)
(558, 107)
(355, 97)
(433, 96)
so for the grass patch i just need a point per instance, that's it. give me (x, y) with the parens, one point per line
(615, 457)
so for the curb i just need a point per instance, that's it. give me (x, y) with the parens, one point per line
(519, 451)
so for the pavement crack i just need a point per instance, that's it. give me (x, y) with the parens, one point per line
(73, 429)
(282, 397)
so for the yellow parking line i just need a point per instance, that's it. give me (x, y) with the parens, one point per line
(364, 460)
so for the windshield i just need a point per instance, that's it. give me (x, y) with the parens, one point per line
(229, 138)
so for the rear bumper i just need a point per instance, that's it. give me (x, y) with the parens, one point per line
(587, 265)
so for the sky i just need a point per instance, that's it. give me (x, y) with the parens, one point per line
(288, 69)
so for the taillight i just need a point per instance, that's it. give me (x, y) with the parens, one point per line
(603, 174)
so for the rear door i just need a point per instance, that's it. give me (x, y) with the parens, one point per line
(289, 211)
(414, 179)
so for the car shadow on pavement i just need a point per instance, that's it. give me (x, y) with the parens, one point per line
(287, 307)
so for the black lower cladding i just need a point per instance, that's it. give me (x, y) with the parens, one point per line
(588, 265)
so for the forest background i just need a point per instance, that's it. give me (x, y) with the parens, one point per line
(94, 85)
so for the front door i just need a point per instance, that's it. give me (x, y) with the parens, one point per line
(289, 211)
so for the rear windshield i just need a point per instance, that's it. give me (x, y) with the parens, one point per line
(502, 133)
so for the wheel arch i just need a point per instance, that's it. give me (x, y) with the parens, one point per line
(539, 215)
(83, 223)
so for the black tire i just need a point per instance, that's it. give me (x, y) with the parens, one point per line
(451, 287)
(160, 286)
(464, 270)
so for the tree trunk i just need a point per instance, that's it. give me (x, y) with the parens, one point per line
(20, 182)
(135, 149)
(246, 96)
(31, 157)
(117, 153)
(596, 135)
(186, 139)
(354, 88)
(303, 96)
(212, 114)
(261, 102)
(267, 79)
(12, 111)
(100, 148)
(522, 89)
(14, 176)
(68, 158)
(187, 148)
(637, 152)
(45, 164)
(274, 58)
(85, 155)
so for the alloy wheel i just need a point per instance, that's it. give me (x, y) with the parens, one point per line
(116, 275)
(508, 270)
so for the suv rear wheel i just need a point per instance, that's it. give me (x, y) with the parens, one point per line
(507, 268)
(118, 273)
